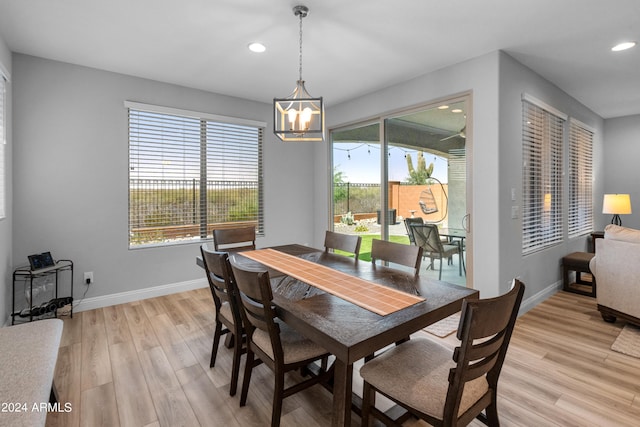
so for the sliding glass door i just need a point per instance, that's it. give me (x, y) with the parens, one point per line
(357, 193)
(413, 164)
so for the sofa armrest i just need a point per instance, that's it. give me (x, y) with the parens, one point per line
(617, 270)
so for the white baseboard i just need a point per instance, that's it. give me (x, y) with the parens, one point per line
(536, 299)
(156, 291)
(140, 294)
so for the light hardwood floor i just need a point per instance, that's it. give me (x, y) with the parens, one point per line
(147, 364)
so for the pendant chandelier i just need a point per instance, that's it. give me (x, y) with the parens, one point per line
(299, 117)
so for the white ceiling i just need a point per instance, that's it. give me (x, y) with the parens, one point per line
(350, 47)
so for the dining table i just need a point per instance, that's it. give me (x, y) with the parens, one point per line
(346, 329)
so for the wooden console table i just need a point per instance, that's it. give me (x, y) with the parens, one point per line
(592, 243)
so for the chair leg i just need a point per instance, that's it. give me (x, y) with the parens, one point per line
(492, 415)
(53, 395)
(229, 340)
(216, 342)
(278, 396)
(440, 275)
(248, 367)
(368, 400)
(237, 353)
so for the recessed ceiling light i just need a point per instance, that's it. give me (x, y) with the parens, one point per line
(623, 46)
(443, 107)
(257, 47)
(456, 110)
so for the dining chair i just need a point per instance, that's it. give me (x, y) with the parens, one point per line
(442, 387)
(397, 253)
(234, 239)
(428, 237)
(228, 317)
(275, 343)
(343, 242)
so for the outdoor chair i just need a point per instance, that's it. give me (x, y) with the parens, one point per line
(442, 387)
(397, 253)
(408, 222)
(428, 237)
(234, 239)
(228, 318)
(275, 343)
(343, 242)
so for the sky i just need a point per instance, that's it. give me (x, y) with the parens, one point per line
(364, 164)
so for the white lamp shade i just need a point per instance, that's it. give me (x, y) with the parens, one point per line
(616, 204)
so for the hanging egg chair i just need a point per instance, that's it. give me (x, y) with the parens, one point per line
(429, 204)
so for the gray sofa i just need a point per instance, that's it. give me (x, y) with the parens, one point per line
(616, 266)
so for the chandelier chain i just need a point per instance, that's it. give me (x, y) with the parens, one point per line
(300, 65)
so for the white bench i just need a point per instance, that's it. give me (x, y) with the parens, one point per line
(28, 354)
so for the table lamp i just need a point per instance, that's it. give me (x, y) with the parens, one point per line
(616, 204)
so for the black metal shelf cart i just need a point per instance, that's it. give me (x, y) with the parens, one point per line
(25, 274)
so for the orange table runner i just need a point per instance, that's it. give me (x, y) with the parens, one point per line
(372, 296)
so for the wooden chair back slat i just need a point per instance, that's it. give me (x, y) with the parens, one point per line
(407, 255)
(342, 242)
(256, 296)
(234, 239)
(217, 275)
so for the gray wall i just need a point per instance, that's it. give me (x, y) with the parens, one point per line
(497, 82)
(621, 171)
(6, 240)
(70, 174)
(479, 75)
(541, 269)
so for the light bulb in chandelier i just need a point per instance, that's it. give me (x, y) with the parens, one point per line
(299, 120)
(292, 113)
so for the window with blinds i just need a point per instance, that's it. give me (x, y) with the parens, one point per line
(580, 179)
(190, 173)
(3, 142)
(542, 136)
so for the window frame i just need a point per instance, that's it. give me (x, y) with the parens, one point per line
(213, 134)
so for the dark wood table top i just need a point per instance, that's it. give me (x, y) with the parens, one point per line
(351, 332)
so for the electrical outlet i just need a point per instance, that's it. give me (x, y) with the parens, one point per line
(88, 278)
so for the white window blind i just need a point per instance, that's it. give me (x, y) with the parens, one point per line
(542, 136)
(3, 142)
(190, 174)
(580, 179)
